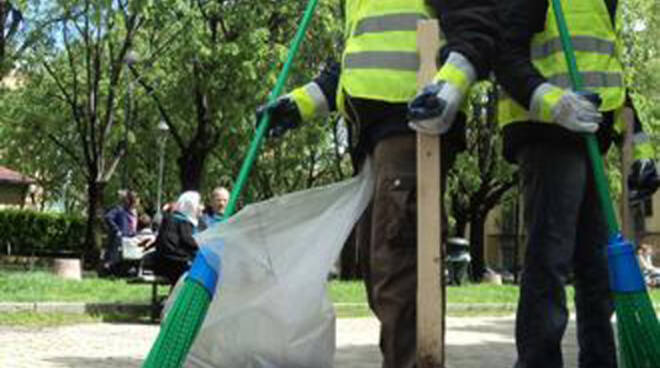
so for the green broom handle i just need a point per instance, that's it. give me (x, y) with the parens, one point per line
(602, 186)
(265, 120)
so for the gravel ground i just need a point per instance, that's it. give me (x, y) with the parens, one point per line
(471, 343)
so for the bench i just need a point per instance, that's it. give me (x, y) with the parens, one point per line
(156, 299)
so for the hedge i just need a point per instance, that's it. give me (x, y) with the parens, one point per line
(37, 233)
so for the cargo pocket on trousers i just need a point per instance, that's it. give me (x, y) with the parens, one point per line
(401, 228)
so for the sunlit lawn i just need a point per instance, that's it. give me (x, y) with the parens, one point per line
(348, 296)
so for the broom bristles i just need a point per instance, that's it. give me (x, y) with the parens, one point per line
(638, 330)
(637, 322)
(180, 327)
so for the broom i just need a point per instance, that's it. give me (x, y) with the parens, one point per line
(183, 322)
(637, 322)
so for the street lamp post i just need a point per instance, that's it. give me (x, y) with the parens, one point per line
(163, 129)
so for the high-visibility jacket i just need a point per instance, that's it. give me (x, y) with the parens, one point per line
(594, 41)
(380, 59)
(597, 54)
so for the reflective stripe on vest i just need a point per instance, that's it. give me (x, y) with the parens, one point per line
(395, 60)
(596, 51)
(389, 23)
(380, 60)
(580, 44)
(591, 80)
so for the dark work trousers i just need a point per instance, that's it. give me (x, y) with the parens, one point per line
(171, 269)
(387, 237)
(112, 255)
(566, 233)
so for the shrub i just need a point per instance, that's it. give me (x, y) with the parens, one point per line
(36, 233)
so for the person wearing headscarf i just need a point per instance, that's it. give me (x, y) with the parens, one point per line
(175, 246)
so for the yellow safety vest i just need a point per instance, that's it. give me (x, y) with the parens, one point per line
(380, 59)
(597, 54)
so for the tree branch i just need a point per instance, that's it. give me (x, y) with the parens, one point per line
(66, 149)
(161, 108)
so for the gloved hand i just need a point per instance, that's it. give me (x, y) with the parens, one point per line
(643, 179)
(284, 115)
(433, 110)
(575, 111)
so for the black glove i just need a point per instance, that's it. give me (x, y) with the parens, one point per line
(643, 179)
(284, 115)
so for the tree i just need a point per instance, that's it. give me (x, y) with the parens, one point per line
(639, 32)
(79, 70)
(229, 55)
(215, 73)
(480, 176)
(23, 25)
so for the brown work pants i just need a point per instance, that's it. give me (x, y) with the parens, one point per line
(387, 240)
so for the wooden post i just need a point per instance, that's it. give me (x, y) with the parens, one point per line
(430, 258)
(626, 161)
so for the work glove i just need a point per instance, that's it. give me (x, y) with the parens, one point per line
(643, 180)
(575, 111)
(433, 110)
(284, 115)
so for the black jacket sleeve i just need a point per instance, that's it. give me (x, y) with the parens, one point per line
(471, 28)
(328, 80)
(520, 20)
(186, 240)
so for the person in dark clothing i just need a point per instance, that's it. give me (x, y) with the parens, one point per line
(541, 119)
(372, 87)
(175, 246)
(120, 221)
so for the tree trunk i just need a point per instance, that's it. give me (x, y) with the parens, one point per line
(191, 169)
(477, 226)
(94, 231)
(461, 226)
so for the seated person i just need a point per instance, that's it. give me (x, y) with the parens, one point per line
(175, 246)
(215, 212)
(133, 248)
(645, 257)
(145, 235)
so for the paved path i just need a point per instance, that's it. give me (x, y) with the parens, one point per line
(472, 343)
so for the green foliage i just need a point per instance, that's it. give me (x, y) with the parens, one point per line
(30, 232)
(201, 66)
(480, 176)
(206, 68)
(639, 30)
(37, 136)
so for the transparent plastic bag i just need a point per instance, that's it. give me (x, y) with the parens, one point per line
(271, 308)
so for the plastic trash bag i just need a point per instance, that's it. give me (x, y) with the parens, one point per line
(271, 308)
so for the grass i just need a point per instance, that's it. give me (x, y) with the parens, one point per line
(354, 292)
(42, 286)
(349, 297)
(32, 320)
